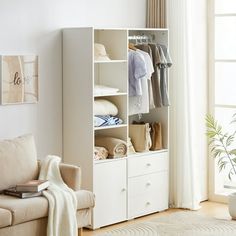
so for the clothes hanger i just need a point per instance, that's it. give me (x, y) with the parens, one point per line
(132, 46)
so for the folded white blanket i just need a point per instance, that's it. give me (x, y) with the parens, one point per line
(62, 200)
(103, 90)
(103, 107)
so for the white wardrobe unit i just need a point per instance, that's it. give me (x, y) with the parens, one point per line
(127, 187)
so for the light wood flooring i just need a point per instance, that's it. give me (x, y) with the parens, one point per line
(207, 209)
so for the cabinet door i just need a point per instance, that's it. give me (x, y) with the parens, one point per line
(110, 193)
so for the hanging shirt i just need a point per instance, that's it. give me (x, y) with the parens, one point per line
(164, 64)
(146, 48)
(140, 104)
(156, 76)
(137, 71)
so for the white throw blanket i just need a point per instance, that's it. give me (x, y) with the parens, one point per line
(62, 200)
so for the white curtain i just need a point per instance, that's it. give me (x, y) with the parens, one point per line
(188, 89)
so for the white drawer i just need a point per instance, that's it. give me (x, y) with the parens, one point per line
(152, 200)
(145, 184)
(147, 164)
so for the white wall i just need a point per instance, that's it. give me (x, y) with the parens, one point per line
(33, 27)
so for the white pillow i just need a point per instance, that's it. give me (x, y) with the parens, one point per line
(103, 107)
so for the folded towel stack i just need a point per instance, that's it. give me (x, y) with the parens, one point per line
(105, 113)
(104, 90)
(100, 153)
(116, 147)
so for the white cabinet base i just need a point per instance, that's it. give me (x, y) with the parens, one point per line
(110, 193)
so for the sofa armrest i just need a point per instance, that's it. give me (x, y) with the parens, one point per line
(71, 175)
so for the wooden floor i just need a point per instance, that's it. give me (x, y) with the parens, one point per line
(207, 209)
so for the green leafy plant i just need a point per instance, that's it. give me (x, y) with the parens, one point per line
(221, 145)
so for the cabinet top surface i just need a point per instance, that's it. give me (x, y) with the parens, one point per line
(129, 29)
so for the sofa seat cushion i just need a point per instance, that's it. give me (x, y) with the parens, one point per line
(85, 199)
(18, 161)
(24, 210)
(5, 218)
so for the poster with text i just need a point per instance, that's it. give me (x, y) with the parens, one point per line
(19, 79)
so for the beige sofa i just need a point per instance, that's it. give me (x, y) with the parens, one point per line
(28, 217)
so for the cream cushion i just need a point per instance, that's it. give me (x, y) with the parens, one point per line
(24, 210)
(85, 199)
(18, 161)
(5, 218)
(103, 107)
(18, 210)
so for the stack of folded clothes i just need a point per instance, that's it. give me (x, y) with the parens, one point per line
(104, 90)
(105, 113)
(100, 153)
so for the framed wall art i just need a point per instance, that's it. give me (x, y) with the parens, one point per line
(19, 79)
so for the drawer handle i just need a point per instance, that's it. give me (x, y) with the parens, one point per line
(148, 164)
(148, 203)
(123, 190)
(148, 184)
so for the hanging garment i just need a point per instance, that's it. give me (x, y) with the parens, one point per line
(164, 64)
(146, 48)
(137, 71)
(140, 104)
(156, 76)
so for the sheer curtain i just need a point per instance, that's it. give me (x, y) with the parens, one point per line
(188, 90)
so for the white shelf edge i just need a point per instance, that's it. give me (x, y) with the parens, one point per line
(111, 61)
(111, 95)
(146, 153)
(128, 29)
(110, 127)
(109, 160)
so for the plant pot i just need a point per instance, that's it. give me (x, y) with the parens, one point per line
(232, 205)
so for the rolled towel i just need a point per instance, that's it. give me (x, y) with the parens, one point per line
(103, 107)
(116, 147)
(100, 153)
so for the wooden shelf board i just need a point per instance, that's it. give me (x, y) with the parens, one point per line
(110, 127)
(111, 61)
(109, 160)
(111, 95)
(137, 154)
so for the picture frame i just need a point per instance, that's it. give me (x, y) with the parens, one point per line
(19, 79)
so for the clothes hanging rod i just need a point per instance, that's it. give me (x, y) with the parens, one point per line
(139, 37)
(150, 37)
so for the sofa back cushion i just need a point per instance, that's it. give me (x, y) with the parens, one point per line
(18, 161)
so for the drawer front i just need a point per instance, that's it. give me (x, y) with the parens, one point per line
(142, 165)
(148, 184)
(153, 200)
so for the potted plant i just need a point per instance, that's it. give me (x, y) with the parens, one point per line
(221, 148)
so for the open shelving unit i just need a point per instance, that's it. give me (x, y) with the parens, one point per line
(127, 187)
